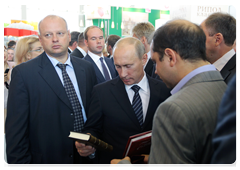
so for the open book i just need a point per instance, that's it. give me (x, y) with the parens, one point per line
(91, 140)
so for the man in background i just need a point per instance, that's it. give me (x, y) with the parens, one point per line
(103, 66)
(110, 42)
(144, 32)
(220, 31)
(81, 50)
(74, 41)
(183, 124)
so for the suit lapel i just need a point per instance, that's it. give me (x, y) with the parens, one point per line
(81, 78)
(154, 90)
(111, 67)
(119, 92)
(231, 64)
(50, 75)
(97, 71)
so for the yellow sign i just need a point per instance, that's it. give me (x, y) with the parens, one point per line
(34, 24)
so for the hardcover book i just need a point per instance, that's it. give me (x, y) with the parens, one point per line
(91, 140)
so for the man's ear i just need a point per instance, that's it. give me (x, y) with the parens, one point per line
(218, 39)
(86, 42)
(171, 56)
(144, 58)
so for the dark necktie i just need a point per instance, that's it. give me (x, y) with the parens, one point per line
(137, 104)
(71, 93)
(105, 71)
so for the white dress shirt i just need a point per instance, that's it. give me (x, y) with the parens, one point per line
(221, 62)
(144, 93)
(97, 61)
(82, 51)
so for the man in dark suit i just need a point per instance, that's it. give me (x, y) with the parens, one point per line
(111, 115)
(144, 32)
(73, 43)
(103, 66)
(81, 50)
(224, 137)
(40, 114)
(220, 30)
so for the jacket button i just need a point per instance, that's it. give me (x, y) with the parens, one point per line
(71, 114)
(70, 155)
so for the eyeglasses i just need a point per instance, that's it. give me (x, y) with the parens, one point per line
(37, 50)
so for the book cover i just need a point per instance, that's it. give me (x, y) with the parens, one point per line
(91, 140)
(138, 144)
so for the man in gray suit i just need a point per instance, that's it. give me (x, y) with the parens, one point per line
(183, 124)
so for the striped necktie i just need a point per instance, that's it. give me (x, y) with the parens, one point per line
(137, 104)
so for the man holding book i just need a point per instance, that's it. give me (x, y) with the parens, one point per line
(183, 125)
(116, 110)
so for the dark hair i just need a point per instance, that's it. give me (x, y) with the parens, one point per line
(224, 24)
(11, 43)
(74, 37)
(112, 39)
(87, 29)
(182, 36)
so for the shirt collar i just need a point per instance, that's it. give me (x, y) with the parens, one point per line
(94, 56)
(82, 51)
(221, 62)
(55, 61)
(199, 70)
(143, 84)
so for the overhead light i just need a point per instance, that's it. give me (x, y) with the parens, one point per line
(102, 25)
(122, 25)
(112, 26)
(81, 23)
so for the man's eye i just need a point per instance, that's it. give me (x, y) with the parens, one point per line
(47, 35)
(61, 33)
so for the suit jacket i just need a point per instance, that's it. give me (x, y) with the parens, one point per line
(149, 67)
(229, 69)
(77, 53)
(98, 73)
(183, 124)
(224, 138)
(39, 115)
(112, 118)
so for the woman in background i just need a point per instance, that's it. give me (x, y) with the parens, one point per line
(27, 48)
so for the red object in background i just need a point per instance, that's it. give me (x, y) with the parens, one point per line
(23, 32)
(18, 32)
(11, 31)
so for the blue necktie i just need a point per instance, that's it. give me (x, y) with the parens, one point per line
(137, 104)
(71, 93)
(105, 71)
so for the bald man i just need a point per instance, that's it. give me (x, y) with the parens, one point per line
(40, 113)
(111, 114)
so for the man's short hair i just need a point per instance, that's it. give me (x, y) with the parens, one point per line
(224, 24)
(11, 44)
(145, 29)
(112, 39)
(87, 29)
(74, 37)
(81, 39)
(139, 47)
(182, 36)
